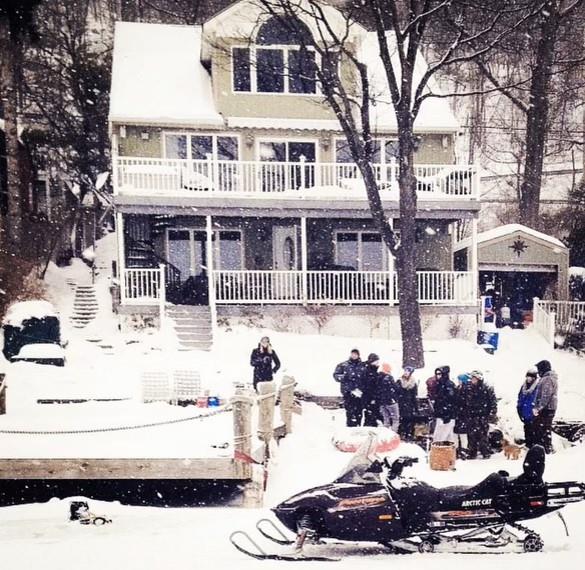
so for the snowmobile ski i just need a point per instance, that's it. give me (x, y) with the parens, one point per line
(282, 539)
(259, 554)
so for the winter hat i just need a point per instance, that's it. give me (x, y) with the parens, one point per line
(477, 374)
(543, 367)
(464, 378)
(355, 351)
(532, 372)
(409, 370)
(438, 371)
(264, 339)
(385, 368)
(373, 357)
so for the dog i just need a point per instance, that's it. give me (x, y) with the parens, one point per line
(511, 450)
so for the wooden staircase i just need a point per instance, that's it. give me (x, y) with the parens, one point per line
(192, 324)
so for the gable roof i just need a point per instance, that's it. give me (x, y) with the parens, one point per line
(158, 78)
(508, 230)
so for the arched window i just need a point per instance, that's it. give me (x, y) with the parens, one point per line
(282, 60)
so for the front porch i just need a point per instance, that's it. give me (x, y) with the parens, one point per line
(237, 260)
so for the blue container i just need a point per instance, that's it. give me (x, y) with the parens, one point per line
(212, 402)
(491, 338)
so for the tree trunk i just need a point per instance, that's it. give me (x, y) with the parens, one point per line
(408, 307)
(536, 120)
(8, 91)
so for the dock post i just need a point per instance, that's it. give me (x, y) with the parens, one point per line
(242, 406)
(266, 405)
(287, 400)
(2, 394)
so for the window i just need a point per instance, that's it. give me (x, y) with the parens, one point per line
(228, 251)
(241, 69)
(281, 177)
(198, 147)
(389, 146)
(282, 58)
(362, 251)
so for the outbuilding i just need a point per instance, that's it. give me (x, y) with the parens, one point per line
(516, 264)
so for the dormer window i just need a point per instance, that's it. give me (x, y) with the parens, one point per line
(282, 60)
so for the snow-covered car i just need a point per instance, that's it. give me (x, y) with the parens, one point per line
(32, 333)
(41, 353)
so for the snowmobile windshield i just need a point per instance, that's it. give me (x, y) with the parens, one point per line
(356, 471)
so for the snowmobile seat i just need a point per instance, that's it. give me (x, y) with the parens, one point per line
(493, 485)
(532, 468)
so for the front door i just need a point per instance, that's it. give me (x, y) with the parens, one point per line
(285, 257)
(187, 252)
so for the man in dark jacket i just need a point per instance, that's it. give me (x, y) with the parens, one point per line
(350, 375)
(370, 391)
(265, 362)
(481, 405)
(386, 397)
(445, 407)
(545, 405)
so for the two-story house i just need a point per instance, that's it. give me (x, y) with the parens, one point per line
(234, 187)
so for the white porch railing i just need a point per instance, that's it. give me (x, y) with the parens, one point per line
(137, 174)
(142, 286)
(339, 287)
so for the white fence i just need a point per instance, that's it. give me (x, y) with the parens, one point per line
(552, 317)
(138, 174)
(543, 321)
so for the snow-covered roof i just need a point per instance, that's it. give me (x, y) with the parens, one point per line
(510, 229)
(158, 78)
(435, 114)
(577, 271)
(19, 312)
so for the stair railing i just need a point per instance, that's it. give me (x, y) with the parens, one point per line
(172, 272)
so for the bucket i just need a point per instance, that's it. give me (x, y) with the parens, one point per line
(442, 456)
(212, 402)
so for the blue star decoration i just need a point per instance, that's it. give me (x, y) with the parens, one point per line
(518, 247)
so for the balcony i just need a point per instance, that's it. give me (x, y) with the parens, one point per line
(222, 178)
(142, 286)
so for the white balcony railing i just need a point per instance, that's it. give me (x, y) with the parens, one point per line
(206, 177)
(312, 287)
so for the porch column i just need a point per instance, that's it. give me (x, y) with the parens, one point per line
(391, 296)
(304, 274)
(121, 256)
(474, 265)
(210, 273)
(115, 164)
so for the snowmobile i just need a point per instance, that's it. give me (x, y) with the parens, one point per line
(79, 511)
(372, 501)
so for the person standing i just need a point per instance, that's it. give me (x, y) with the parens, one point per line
(432, 383)
(406, 395)
(445, 407)
(525, 405)
(481, 406)
(387, 398)
(350, 375)
(461, 421)
(545, 405)
(265, 362)
(370, 391)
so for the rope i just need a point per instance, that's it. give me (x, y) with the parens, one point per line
(118, 428)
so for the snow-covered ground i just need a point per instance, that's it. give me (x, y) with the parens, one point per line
(153, 538)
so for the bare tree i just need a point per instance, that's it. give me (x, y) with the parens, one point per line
(402, 29)
(16, 24)
(539, 69)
